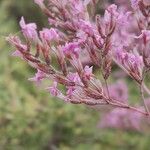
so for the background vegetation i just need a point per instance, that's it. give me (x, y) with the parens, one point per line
(32, 120)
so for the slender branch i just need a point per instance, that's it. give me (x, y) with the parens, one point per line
(146, 89)
(130, 108)
(115, 104)
(142, 90)
(123, 105)
(143, 99)
(112, 102)
(106, 84)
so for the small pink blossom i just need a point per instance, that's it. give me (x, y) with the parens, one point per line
(53, 22)
(145, 35)
(78, 6)
(113, 10)
(70, 91)
(15, 41)
(135, 4)
(88, 72)
(39, 76)
(123, 18)
(29, 30)
(17, 54)
(81, 36)
(86, 27)
(110, 13)
(74, 77)
(53, 89)
(71, 49)
(132, 63)
(49, 34)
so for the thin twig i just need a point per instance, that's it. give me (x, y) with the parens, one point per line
(143, 99)
(130, 108)
(106, 84)
(146, 89)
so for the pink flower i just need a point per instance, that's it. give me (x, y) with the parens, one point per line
(123, 18)
(132, 63)
(145, 35)
(74, 77)
(29, 30)
(81, 36)
(71, 48)
(53, 89)
(135, 4)
(39, 76)
(144, 46)
(49, 34)
(70, 91)
(88, 72)
(15, 41)
(113, 10)
(53, 22)
(17, 54)
(86, 27)
(78, 6)
(110, 13)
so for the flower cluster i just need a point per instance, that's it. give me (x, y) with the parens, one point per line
(120, 37)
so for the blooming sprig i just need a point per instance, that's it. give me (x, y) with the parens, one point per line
(29, 30)
(58, 53)
(132, 63)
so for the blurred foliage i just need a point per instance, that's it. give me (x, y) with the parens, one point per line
(30, 119)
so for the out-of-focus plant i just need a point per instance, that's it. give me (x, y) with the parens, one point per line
(119, 37)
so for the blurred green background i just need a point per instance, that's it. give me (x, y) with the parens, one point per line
(32, 120)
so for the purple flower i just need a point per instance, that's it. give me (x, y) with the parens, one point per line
(49, 34)
(88, 72)
(29, 30)
(53, 89)
(110, 13)
(17, 54)
(71, 49)
(131, 63)
(15, 41)
(144, 46)
(145, 35)
(70, 91)
(86, 27)
(78, 6)
(74, 77)
(123, 18)
(39, 76)
(135, 4)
